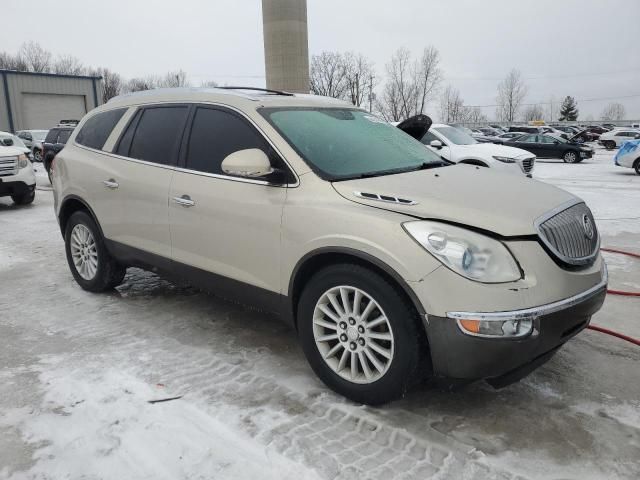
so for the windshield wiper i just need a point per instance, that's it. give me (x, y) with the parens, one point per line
(393, 171)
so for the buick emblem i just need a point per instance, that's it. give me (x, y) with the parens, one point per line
(587, 226)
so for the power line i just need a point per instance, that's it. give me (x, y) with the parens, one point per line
(543, 77)
(577, 100)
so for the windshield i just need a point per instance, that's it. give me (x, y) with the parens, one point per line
(456, 135)
(39, 135)
(12, 140)
(343, 143)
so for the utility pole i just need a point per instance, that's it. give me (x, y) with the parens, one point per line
(371, 95)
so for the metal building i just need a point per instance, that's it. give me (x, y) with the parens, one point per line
(40, 100)
(286, 49)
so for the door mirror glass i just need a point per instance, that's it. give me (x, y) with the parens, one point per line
(436, 144)
(249, 163)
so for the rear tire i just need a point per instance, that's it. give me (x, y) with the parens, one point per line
(25, 198)
(636, 166)
(37, 155)
(609, 144)
(386, 337)
(91, 265)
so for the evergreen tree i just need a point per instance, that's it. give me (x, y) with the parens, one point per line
(569, 109)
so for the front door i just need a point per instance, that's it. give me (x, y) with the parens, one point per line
(220, 224)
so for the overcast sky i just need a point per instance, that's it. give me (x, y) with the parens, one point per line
(585, 48)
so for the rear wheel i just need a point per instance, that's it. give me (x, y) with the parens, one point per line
(609, 144)
(359, 334)
(636, 166)
(37, 155)
(91, 264)
(571, 156)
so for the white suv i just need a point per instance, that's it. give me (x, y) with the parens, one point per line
(617, 137)
(391, 264)
(457, 146)
(17, 178)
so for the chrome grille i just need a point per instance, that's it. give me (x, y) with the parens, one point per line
(565, 232)
(8, 166)
(527, 164)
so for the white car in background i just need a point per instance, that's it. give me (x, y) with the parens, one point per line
(455, 145)
(617, 137)
(629, 155)
(17, 178)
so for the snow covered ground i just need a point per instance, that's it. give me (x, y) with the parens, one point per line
(77, 372)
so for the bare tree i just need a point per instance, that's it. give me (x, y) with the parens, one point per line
(474, 115)
(328, 76)
(209, 84)
(68, 65)
(428, 76)
(9, 61)
(533, 112)
(511, 92)
(112, 84)
(613, 111)
(173, 79)
(401, 74)
(139, 84)
(36, 58)
(389, 104)
(358, 77)
(452, 107)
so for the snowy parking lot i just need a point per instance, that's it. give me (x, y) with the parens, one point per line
(78, 372)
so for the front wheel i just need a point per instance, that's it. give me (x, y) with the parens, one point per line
(37, 155)
(91, 264)
(609, 144)
(25, 198)
(636, 166)
(360, 334)
(571, 157)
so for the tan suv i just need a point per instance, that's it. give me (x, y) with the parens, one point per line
(391, 263)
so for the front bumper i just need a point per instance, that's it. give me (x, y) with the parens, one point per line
(459, 356)
(22, 182)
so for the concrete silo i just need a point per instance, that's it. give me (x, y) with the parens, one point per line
(286, 50)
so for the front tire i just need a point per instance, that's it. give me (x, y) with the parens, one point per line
(37, 155)
(360, 334)
(609, 144)
(571, 156)
(25, 198)
(90, 263)
(636, 166)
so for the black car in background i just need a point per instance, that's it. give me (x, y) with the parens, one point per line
(54, 142)
(549, 146)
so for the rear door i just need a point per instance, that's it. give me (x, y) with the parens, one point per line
(222, 224)
(549, 147)
(138, 178)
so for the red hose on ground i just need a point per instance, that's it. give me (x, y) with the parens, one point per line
(635, 341)
(628, 254)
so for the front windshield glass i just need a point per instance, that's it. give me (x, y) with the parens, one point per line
(15, 141)
(456, 135)
(39, 135)
(343, 143)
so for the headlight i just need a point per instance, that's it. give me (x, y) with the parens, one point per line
(23, 161)
(504, 159)
(467, 253)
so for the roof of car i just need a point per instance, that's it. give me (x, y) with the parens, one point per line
(233, 97)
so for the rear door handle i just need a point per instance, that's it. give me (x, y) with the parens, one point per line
(111, 183)
(184, 200)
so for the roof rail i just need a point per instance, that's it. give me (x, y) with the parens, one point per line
(257, 89)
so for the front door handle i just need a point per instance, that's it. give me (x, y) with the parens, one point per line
(184, 200)
(111, 183)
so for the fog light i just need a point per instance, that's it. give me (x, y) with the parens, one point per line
(513, 328)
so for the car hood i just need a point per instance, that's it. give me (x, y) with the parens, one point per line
(11, 151)
(479, 197)
(494, 149)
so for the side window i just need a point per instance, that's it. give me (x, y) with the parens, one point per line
(97, 129)
(545, 139)
(157, 134)
(528, 139)
(216, 134)
(63, 136)
(52, 136)
(428, 138)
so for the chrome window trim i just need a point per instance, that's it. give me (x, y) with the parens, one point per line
(535, 312)
(197, 172)
(570, 261)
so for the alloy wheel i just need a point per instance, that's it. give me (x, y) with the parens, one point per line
(570, 157)
(353, 334)
(84, 252)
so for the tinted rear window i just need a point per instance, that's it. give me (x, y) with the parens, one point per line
(157, 134)
(96, 130)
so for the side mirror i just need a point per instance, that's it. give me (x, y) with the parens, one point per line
(7, 142)
(249, 163)
(436, 144)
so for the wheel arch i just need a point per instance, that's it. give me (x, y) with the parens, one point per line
(70, 205)
(313, 261)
